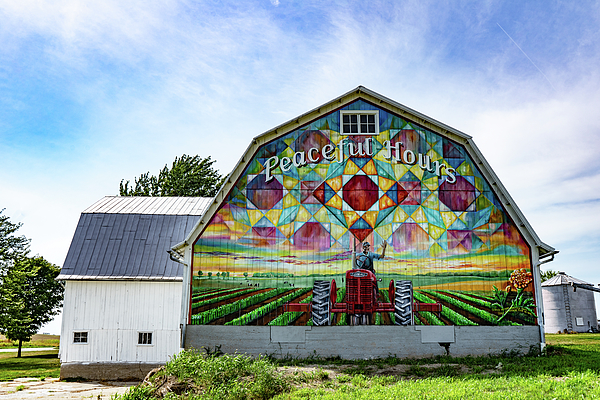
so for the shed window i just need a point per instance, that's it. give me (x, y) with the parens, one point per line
(363, 122)
(579, 321)
(80, 337)
(144, 337)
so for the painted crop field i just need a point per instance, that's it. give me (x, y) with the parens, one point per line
(264, 306)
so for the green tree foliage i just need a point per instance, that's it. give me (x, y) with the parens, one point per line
(29, 297)
(11, 246)
(188, 176)
(547, 274)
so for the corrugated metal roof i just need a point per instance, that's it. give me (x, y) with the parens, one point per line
(124, 238)
(149, 205)
(563, 279)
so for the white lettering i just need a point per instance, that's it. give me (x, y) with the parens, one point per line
(359, 149)
(438, 167)
(388, 147)
(328, 152)
(409, 157)
(272, 163)
(310, 157)
(451, 177)
(286, 164)
(425, 162)
(369, 146)
(389, 154)
(341, 148)
(299, 159)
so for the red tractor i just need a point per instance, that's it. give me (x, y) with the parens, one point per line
(361, 300)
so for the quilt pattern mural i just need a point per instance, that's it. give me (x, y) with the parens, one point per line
(306, 201)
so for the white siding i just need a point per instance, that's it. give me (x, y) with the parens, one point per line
(113, 312)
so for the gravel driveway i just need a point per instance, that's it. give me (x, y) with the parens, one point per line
(52, 388)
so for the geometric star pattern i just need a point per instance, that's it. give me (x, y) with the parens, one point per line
(306, 216)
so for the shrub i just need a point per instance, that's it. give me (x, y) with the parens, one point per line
(228, 377)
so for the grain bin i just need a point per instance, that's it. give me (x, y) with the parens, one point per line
(569, 304)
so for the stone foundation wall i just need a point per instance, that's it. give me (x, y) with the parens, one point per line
(360, 342)
(106, 371)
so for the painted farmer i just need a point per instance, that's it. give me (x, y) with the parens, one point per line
(364, 259)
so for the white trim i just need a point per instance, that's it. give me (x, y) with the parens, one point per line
(87, 337)
(149, 335)
(358, 123)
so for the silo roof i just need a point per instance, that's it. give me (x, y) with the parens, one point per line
(563, 279)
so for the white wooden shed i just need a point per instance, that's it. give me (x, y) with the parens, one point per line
(122, 312)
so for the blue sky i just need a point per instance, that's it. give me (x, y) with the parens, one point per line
(98, 91)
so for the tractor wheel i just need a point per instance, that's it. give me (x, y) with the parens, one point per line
(320, 303)
(403, 303)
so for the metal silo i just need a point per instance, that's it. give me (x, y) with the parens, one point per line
(569, 304)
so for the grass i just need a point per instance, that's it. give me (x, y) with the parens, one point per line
(36, 341)
(569, 369)
(42, 364)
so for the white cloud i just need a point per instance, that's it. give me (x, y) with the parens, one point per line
(153, 80)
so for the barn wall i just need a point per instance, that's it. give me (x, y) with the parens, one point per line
(352, 342)
(113, 313)
(306, 200)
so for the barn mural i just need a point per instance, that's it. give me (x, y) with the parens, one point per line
(307, 200)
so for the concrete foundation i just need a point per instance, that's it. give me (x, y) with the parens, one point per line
(362, 342)
(106, 371)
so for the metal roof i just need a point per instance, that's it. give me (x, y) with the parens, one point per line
(563, 279)
(127, 238)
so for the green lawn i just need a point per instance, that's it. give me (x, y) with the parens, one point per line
(36, 341)
(569, 369)
(42, 364)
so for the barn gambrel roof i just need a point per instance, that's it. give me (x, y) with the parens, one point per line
(394, 107)
(127, 238)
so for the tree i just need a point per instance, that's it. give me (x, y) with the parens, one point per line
(29, 297)
(547, 274)
(11, 246)
(188, 176)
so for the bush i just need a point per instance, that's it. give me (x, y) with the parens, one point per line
(225, 377)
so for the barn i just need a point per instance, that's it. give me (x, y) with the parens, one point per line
(266, 267)
(269, 261)
(123, 292)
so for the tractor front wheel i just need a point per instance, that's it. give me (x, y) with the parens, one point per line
(403, 303)
(321, 303)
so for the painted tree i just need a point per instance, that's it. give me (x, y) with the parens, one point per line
(188, 176)
(29, 297)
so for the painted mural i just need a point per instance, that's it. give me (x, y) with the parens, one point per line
(307, 200)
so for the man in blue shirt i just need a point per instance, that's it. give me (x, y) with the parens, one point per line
(364, 259)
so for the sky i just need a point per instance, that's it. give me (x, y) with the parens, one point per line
(93, 92)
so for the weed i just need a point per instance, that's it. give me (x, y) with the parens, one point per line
(357, 370)
(416, 370)
(19, 388)
(445, 370)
